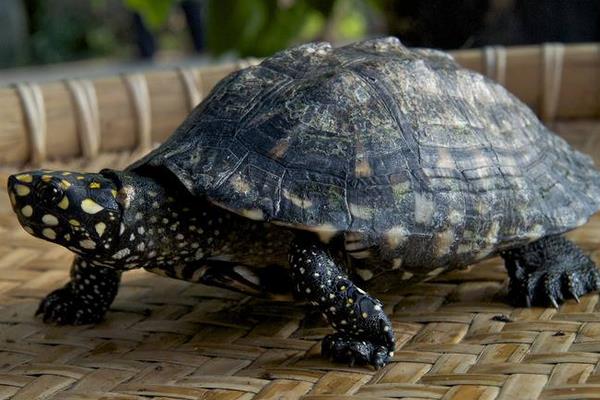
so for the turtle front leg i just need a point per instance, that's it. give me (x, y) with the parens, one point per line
(548, 271)
(364, 333)
(85, 298)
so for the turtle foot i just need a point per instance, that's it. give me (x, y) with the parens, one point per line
(61, 307)
(343, 348)
(548, 271)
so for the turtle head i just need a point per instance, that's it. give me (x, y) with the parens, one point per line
(76, 210)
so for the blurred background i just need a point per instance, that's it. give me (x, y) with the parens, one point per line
(42, 32)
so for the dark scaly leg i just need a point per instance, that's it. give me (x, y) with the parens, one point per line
(364, 333)
(85, 298)
(548, 271)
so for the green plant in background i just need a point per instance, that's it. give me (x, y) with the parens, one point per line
(262, 27)
(154, 12)
(64, 30)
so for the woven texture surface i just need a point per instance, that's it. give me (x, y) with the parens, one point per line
(168, 339)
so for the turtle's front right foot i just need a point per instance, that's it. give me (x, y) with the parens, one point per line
(85, 299)
(364, 332)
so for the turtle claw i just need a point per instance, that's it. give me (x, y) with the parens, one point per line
(548, 271)
(575, 296)
(341, 348)
(528, 300)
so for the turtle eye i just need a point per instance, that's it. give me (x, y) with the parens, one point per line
(50, 194)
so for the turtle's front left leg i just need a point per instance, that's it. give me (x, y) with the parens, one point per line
(364, 333)
(85, 298)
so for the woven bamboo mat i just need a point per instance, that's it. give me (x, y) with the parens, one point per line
(168, 339)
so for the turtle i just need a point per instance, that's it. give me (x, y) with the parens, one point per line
(328, 173)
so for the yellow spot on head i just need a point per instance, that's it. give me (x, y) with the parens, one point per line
(49, 219)
(64, 203)
(94, 185)
(114, 193)
(90, 206)
(65, 184)
(49, 233)
(46, 178)
(25, 178)
(66, 173)
(27, 211)
(80, 178)
(74, 222)
(22, 190)
(100, 227)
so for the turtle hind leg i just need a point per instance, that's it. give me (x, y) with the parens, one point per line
(548, 271)
(364, 332)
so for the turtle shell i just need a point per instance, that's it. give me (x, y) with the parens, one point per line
(400, 146)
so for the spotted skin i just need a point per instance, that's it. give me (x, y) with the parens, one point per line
(77, 211)
(168, 231)
(85, 298)
(183, 239)
(364, 332)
